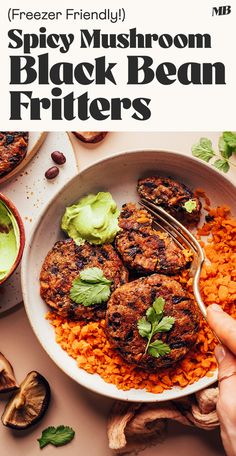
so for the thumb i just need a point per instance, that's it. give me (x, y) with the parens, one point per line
(223, 325)
(227, 372)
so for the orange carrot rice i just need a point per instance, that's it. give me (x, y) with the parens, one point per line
(88, 344)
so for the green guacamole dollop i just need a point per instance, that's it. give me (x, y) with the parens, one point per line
(94, 219)
(9, 240)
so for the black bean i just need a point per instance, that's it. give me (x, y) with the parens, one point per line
(132, 305)
(116, 315)
(61, 293)
(52, 172)
(80, 264)
(129, 336)
(126, 214)
(177, 344)
(177, 299)
(58, 157)
(153, 295)
(134, 251)
(105, 254)
(209, 218)
(149, 185)
(9, 139)
(186, 311)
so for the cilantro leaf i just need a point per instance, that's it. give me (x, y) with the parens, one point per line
(144, 327)
(93, 275)
(158, 305)
(151, 314)
(91, 287)
(230, 138)
(224, 148)
(190, 206)
(154, 323)
(222, 165)
(164, 325)
(158, 348)
(203, 149)
(56, 436)
(227, 145)
(153, 352)
(89, 293)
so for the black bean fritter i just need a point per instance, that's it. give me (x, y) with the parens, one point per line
(130, 302)
(64, 263)
(13, 148)
(172, 196)
(143, 248)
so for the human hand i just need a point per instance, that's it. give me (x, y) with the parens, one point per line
(224, 327)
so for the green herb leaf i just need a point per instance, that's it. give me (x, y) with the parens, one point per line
(56, 436)
(164, 325)
(203, 149)
(89, 293)
(158, 305)
(190, 205)
(158, 348)
(154, 323)
(230, 138)
(144, 327)
(224, 148)
(153, 352)
(93, 275)
(222, 165)
(91, 287)
(151, 314)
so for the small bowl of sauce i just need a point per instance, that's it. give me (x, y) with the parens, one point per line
(12, 238)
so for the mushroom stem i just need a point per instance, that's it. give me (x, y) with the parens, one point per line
(20, 401)
(29, 404)
(7, 377)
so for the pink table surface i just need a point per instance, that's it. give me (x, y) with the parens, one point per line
(71, 404)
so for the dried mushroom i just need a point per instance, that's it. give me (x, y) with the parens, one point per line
(7, 376)
(90, 136)
(29, 404)
(134, 427)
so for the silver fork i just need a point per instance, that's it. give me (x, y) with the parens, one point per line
(183, 238)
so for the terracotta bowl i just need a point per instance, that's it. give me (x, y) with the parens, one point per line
(19, 222)
(118, 175)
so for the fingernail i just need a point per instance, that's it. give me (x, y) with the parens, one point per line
(216, 308)
(219, 353)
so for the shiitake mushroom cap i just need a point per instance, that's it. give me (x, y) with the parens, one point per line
(28, 405)
(90, 136)
(7, 377)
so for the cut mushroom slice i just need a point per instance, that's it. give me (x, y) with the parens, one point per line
(29, 404)
(90, 136)
(7, 376)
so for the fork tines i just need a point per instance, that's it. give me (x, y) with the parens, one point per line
(183, 238)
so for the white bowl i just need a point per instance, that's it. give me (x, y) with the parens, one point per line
(118, 175)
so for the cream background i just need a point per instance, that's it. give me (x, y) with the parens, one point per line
(175, 107)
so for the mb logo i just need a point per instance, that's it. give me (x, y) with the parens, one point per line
(221, 10)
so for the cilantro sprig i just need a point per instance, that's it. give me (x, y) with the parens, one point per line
(57, 436)
(91, 287)
(226, 145)
(154, 323)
